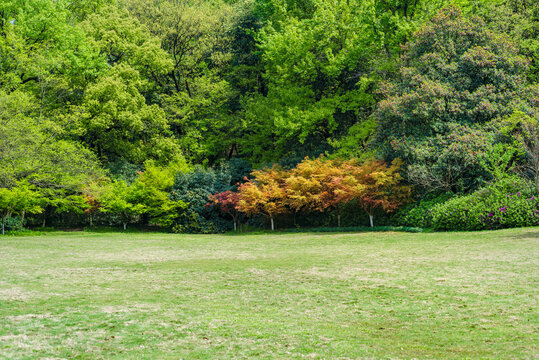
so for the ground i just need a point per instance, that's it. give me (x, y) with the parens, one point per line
(367, 295)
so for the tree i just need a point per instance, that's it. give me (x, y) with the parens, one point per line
(227, 201)
(303, 187)
(340, 185)
(36, 153)
(381, 187)
(454, 70)
(120, 200)
(498, 160)
(7, 201)
(152, 190)
(194, 93)
(530, 142)
(195, 189)
(116, 122)
(265, 194)
(28, 200)
(521, 132)
(321, 184)
(20, 199)
(456, 76)
(58, 200)
(449, 162)
(316, 77)
(520, 20)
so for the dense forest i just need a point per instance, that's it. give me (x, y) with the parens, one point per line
(200, 115)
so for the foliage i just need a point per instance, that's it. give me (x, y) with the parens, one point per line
(29, 149)
(381, 187)
(19, 200)
(507, 203)
(265, 194)
(152, 189)
(121, 200)
(227, 202)
(520, 20)
(420, 214)
(446, 162)
(195, 189)
(521, 131)
(456, 75)
(133, 89)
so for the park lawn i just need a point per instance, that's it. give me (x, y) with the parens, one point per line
(323, 295)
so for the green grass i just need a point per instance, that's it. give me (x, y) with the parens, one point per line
(368, 295)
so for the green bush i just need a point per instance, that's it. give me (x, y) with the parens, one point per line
(14, 223)
(194, 188)
(420, 213)
(508, 203)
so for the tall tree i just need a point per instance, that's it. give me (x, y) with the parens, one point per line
(456, 76)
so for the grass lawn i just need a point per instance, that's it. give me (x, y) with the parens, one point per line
(368, 295)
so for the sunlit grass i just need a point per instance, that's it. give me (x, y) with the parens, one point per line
(369, 295)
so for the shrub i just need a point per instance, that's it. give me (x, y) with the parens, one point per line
(195, 188)
(420, 213)
(508, 203)
(14, 223)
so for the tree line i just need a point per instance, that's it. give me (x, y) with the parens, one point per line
(128, 105)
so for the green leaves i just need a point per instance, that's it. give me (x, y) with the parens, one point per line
(123, 40)
(22, 198)
(116, 121)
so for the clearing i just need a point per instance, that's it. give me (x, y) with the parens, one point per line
(323, 295)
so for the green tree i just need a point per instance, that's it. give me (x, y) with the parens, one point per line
(151, 190)
(194, 93)
(120, 200)
(456, 76)
(7, 202)
(34, 152)
(455, 70)
(116, 122)
(21, 199)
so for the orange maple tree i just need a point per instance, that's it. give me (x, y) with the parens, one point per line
(265, 194)
(382, 188)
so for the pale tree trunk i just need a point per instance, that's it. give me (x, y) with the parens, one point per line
(125, 226)
(235, 220)
(371, 219)
(3, 225)
(272, 225)
(338, 220)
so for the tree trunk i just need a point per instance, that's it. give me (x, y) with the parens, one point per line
(44, 218)
(235, 226)
(187, 88)
(91, 220)
(125, 226)
(371, 219)
(3, 225)
(22, 218)
(272, 225)
(338, 220)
